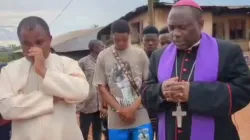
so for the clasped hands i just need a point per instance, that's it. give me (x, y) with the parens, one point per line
(127, 114)
(175, 90)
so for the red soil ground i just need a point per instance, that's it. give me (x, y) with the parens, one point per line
(241, 120)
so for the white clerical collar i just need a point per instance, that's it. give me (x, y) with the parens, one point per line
(194, 45)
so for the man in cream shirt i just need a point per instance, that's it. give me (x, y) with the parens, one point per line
(39, 91)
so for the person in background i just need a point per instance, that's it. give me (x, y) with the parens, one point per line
(165, 37)
(89, 109)
(119, 74)
(150, 39)
(109, 43)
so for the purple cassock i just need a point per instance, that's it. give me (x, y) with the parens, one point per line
(206, 69)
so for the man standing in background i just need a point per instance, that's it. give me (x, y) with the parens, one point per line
(165, 37)
(150, 43)
(150, 39)
(89, 109)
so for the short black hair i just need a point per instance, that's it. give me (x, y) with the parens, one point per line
(150, 30)
(31, 22)
(164, 30)
(120, 26)
(94, 43)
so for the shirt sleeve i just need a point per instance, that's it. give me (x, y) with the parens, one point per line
(70, 85)
(18, 106)
(223, 98)
(152, 96)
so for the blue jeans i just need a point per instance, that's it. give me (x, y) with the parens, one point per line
(143, 132)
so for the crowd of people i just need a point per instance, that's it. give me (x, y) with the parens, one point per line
(184, 84)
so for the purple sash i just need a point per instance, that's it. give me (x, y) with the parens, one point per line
(206, 69)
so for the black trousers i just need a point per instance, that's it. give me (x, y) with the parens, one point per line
(5, 131)
(105, 128)
(86, 120)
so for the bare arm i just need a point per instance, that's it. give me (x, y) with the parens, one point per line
(108, 98)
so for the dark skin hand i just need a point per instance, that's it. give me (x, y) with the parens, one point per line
(39, 60)
(108, 98)
(103, 113)
(127, 114)
(177, 92)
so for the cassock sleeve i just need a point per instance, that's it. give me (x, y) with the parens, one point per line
(226, 97)
(18, 106)
(152, 97)
(70, 85)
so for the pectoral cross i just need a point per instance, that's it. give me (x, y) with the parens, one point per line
(179, 114)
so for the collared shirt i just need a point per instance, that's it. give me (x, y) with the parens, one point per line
(92, 103)
(194, 45)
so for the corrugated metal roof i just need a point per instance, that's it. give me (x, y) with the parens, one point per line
(240, 3)
(75, 40)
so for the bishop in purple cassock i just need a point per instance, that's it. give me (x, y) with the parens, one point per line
(213, 80)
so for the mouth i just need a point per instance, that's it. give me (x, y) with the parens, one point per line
(178, 43)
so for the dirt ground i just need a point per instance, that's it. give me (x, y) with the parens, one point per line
(241, 120)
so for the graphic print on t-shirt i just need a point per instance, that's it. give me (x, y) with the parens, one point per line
(143, 134)
(124, 93)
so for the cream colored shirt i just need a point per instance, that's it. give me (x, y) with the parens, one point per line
(28, 100)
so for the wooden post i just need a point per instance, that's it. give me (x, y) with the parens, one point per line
(151, 12)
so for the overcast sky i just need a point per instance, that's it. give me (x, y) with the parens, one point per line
(80, 14)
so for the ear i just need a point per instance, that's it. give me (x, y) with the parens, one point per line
(201, 24)
(50, 37)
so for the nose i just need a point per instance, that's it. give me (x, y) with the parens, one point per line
(176, 33)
